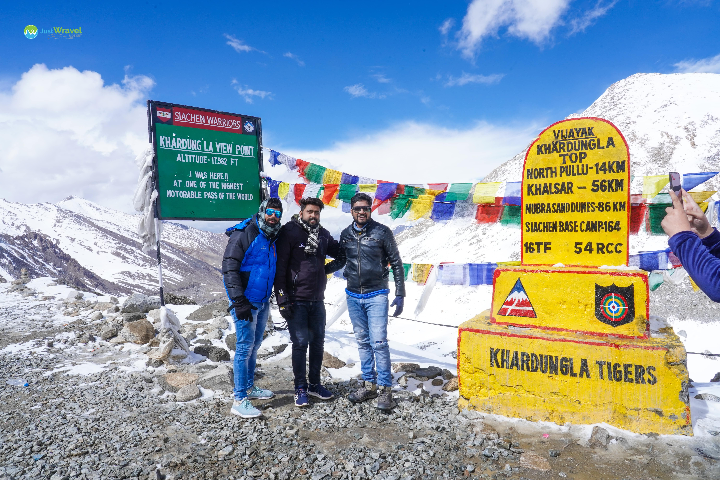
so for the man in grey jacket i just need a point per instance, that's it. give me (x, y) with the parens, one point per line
(366, 249)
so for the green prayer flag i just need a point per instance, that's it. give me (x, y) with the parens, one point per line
(315, 173)
(406, 268)
(655, 280)
(400, 206)
(458, 192)
(511, 216)
(656, 215)
(346, 191)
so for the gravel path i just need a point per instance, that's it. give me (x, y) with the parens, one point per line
(95, 411)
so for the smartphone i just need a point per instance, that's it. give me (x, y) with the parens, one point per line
(676, 185)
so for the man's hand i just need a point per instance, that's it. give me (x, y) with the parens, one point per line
(676, 219)
(243, 309)
(698, 221)
(286, 310)
(398, 303)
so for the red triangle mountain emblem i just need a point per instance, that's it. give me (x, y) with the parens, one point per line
(517, 303)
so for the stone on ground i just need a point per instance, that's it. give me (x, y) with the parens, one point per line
(330, 361)
(139, 332)
(534, 461)
(219, 379)
(172, 382)
(139, 303)
(187, 393)
(216, 354)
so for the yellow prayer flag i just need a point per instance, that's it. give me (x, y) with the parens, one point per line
(700, 197)
(694, 285)
(283, 190)
(515, 263)
(367, 188)
(421, 207)
(332, 176)
(420, 272)
(704, 206)
(433, 193)
(652, 184)
(486, 192)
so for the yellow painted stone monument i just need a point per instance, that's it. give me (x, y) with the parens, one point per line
(567, 337)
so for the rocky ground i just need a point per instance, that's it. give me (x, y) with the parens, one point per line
(100, 408)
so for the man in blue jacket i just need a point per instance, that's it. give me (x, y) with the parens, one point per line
(695, 243)
(249, 272)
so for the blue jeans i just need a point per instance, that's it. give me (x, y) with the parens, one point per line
(369, 318)
(249, 339)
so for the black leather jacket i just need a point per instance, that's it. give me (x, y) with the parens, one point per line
(366, 256)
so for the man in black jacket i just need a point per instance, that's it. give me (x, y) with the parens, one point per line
(367, 247)
(300, 282)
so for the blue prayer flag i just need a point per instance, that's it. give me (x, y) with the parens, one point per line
(349, 179)
(481, 273)
(692, 180)
(385, 191)
(442, 211)
(274, 158)
(512, 193)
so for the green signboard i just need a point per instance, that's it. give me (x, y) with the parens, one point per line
(207, 163)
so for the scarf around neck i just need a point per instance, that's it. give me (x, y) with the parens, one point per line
(313, 241)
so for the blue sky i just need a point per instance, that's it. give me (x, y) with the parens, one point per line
(347, 72)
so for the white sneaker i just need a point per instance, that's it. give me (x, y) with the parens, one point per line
(243, 408)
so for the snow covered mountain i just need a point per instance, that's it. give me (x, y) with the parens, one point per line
(96, 248)
(671, 123)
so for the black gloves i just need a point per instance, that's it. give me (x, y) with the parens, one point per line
(243, 309)
(398, 303)
(286, 311)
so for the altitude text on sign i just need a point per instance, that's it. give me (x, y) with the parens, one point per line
(575, 195)
(208, 163)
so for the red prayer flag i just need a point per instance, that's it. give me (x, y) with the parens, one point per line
(299, 190)
(302, 166)
(637, 217)
(384, 208)
(487, 213)
(438, 186)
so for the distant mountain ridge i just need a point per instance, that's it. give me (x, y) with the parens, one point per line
(96, 248)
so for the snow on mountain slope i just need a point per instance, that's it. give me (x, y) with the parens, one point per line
(670, 121)
(104, 242)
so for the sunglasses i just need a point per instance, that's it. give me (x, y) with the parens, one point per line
(360, 209)
(272, 211)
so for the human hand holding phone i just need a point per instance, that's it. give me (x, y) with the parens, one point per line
(676, 186)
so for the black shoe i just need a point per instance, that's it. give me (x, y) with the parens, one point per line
(384, 399)
(320, 392)
(366, 392)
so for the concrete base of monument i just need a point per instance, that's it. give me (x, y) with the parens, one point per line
(639, 385)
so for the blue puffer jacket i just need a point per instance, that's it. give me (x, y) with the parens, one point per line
(249, 263)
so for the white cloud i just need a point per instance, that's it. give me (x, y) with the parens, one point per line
(446, 26)
(66, 132)
(704, 65)
(292, 56)
(238, 45)
(248, 93)
(581, 23)
(466, 78)
(529, 19)
(381, 78)
(359, 90)
(413, 152)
